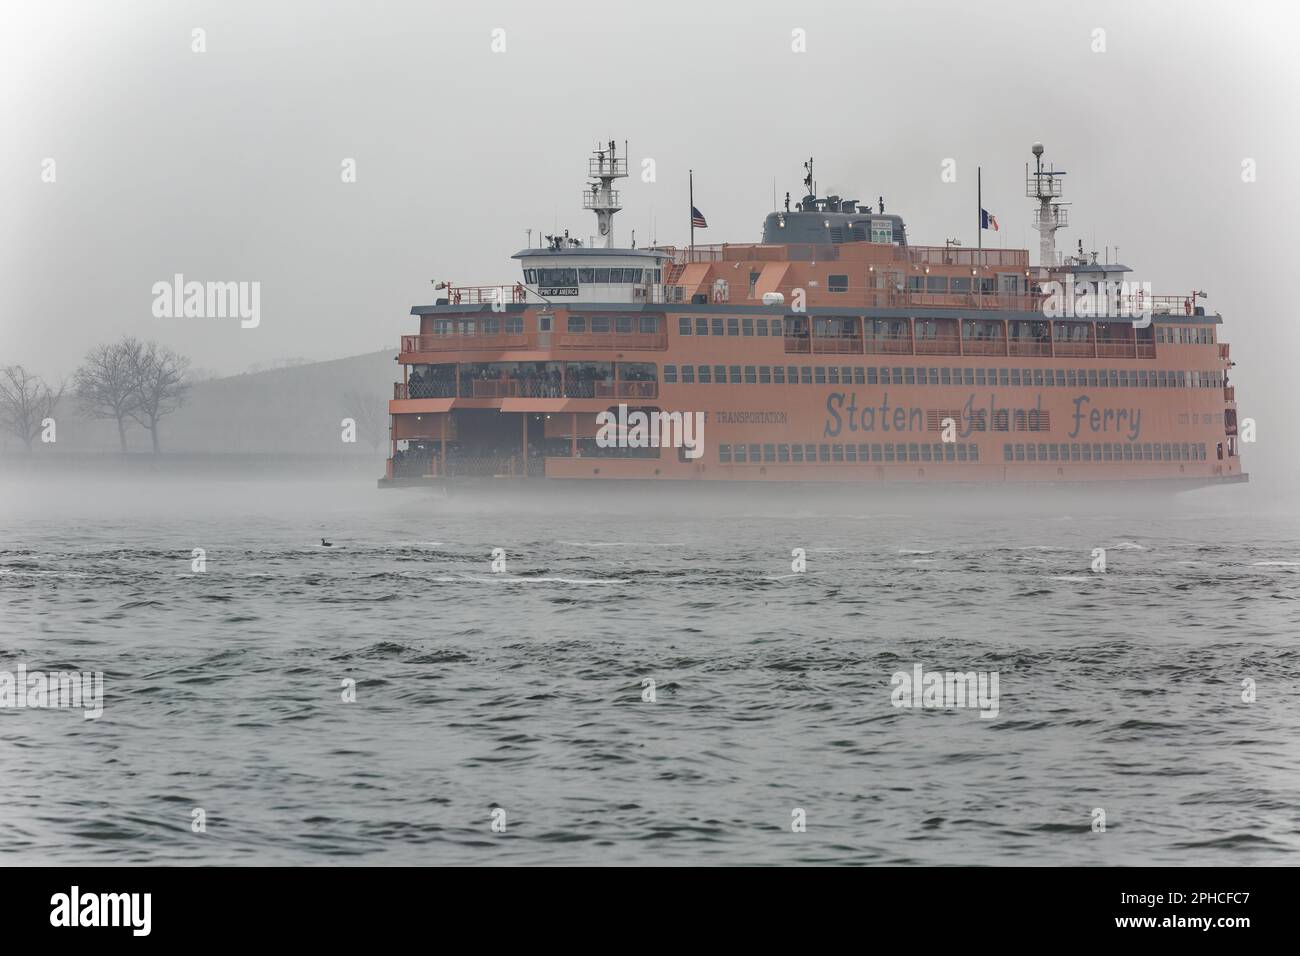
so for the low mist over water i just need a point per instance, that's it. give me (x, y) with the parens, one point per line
(651, 679)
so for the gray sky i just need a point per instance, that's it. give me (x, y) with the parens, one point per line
(225, 165)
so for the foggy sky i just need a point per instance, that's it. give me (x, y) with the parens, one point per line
(225, 165)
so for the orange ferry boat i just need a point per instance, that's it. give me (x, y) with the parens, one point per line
(833, 350)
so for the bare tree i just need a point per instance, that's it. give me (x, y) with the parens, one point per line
(25, 402)
(369, 412)
(159, 386)
(105, 383)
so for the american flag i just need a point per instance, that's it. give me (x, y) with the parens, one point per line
(698, 220)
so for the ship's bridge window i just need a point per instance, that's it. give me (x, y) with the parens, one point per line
(612, 276)
(882, 230)
(550, 277)
(837, 283)
(936, 284)
(959, 284)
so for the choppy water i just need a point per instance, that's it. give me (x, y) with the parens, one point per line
(523, 689)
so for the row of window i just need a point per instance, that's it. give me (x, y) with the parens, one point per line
(1184, 335)
(732, 326)
(958, 285)
(924, 452)
(943, 285)
(619, 324)
(1022, 330)
(1106, 451)
(511, 325)
(879, 452)
(570, 277)
(908, 375)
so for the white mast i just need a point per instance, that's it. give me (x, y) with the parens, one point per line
(1043, 185)
(600, 197)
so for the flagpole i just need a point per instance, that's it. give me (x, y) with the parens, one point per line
(979, 201)
(692, 214)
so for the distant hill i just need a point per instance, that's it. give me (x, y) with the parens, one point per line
(293, 410)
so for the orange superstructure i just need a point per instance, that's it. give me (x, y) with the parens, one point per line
(844, 355)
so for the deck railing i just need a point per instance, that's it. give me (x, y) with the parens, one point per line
(1031, 348)
(837, 345)
(889, 344)
(1066, 349)
(945, 255)
(486, 294)
(627, 390)
(404, 390)
(984, 346)
(940, 345)
(1113, 349)
(527, 388)
(534, 341)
